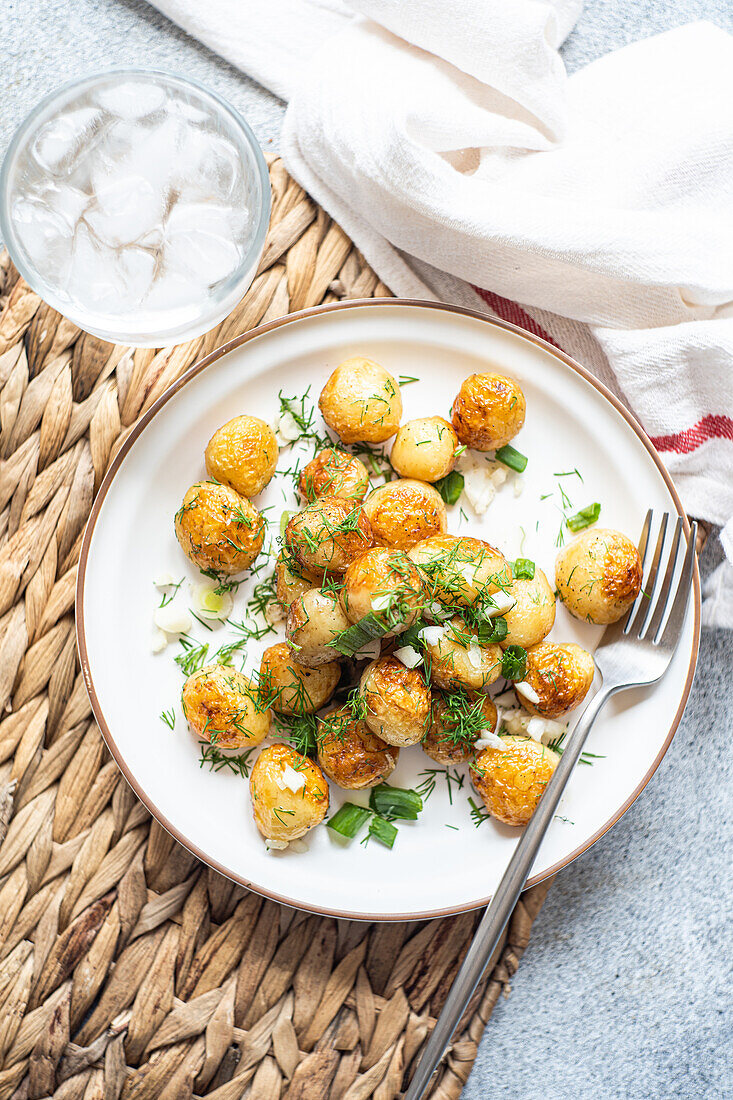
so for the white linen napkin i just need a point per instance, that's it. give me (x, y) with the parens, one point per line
(450, 145)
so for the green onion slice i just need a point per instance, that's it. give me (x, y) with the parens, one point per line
(514, 663)
(584, 517)
(523, 569)
(450, 487)
(383, 831)
(512, 458)
(492, 631)
(355, 637)
(395, 802)
(349, 819)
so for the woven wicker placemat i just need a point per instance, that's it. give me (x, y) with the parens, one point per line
(127, 968)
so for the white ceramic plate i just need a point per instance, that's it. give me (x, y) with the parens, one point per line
(571, 423)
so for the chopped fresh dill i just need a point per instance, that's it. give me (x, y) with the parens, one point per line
(169, 717)
(217, 761)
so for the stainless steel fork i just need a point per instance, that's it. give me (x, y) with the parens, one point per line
(633, 652)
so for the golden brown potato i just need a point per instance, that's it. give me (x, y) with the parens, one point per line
(328, 534)
(361, 402)
(350, 754)
(559, 675)
(313, 621)
(334, 473)
(457, 720)
(290, 584)
(224, 708)
(598, 575)
(218, 529)
(281, 812)
(243, 455)
(511, 780)
(397, 701)
(533, 615)
(424, 449)
(488, 411)
(289, 687)
(459, 571)
(386, 583)
(403, 513)
(454, 659)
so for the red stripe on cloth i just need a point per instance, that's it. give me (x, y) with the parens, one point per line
(710, 427)
(510, 311)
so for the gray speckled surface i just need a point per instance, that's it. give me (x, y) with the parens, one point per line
(624, 991)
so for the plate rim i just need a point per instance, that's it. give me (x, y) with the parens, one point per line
(193, 371)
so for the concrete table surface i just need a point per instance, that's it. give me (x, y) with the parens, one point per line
(625, 990)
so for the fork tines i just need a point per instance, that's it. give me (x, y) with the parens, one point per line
(666, 583)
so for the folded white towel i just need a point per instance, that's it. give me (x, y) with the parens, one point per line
(449, 143)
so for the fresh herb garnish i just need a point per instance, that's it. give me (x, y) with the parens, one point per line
(169, 717)
(450, 487)
(514, 663)
(395, 802)
(523, 569)
(512, 458)
(217, 761)
(584, 517)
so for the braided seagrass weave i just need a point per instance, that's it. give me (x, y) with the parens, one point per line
(127, 968)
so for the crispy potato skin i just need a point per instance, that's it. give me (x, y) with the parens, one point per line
(488, 411)
(223, 707)
(243, 455)
(313, 621)
(511, 781)
(598, 575)
(533, 615)
(441, 743)
(218, 529)
(289, 585)
(459, 570)
(328, 534)
(378, 573)
(397, 700)
(292, 688)
(424, 449)
(361, 402)
(334, 473)
(560, 674)
(350, 754)
(450, 666)
(404, 512)
(284, 814)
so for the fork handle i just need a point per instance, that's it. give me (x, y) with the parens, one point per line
(502, 904)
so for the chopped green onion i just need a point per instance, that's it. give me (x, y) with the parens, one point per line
(512, 458)
(349, 819)
(383, 831)
(395, 802)
(492, 631)
(285, 519)
(450, 487)
(523, 569)
(514, 663)
(584, 517)
(355, 637)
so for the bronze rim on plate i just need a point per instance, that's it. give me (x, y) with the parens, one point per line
(191, 373)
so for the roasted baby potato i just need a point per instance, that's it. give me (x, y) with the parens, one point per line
(403, 513)
(327, 535)
(224, 708)
(218, 529)
(289, 793)
(598, 575)
(511, 780)
(533, 615)
(290, 583)
(424, 449)
(361, 402)
(397, 701)
(384, 583)
(460, 570)
(313, 621)
(334, 473)
(456, 660)
(457, 720)
(350, 754)
(488, 411)
(289, 687)
(559, 675)
(243, 455)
